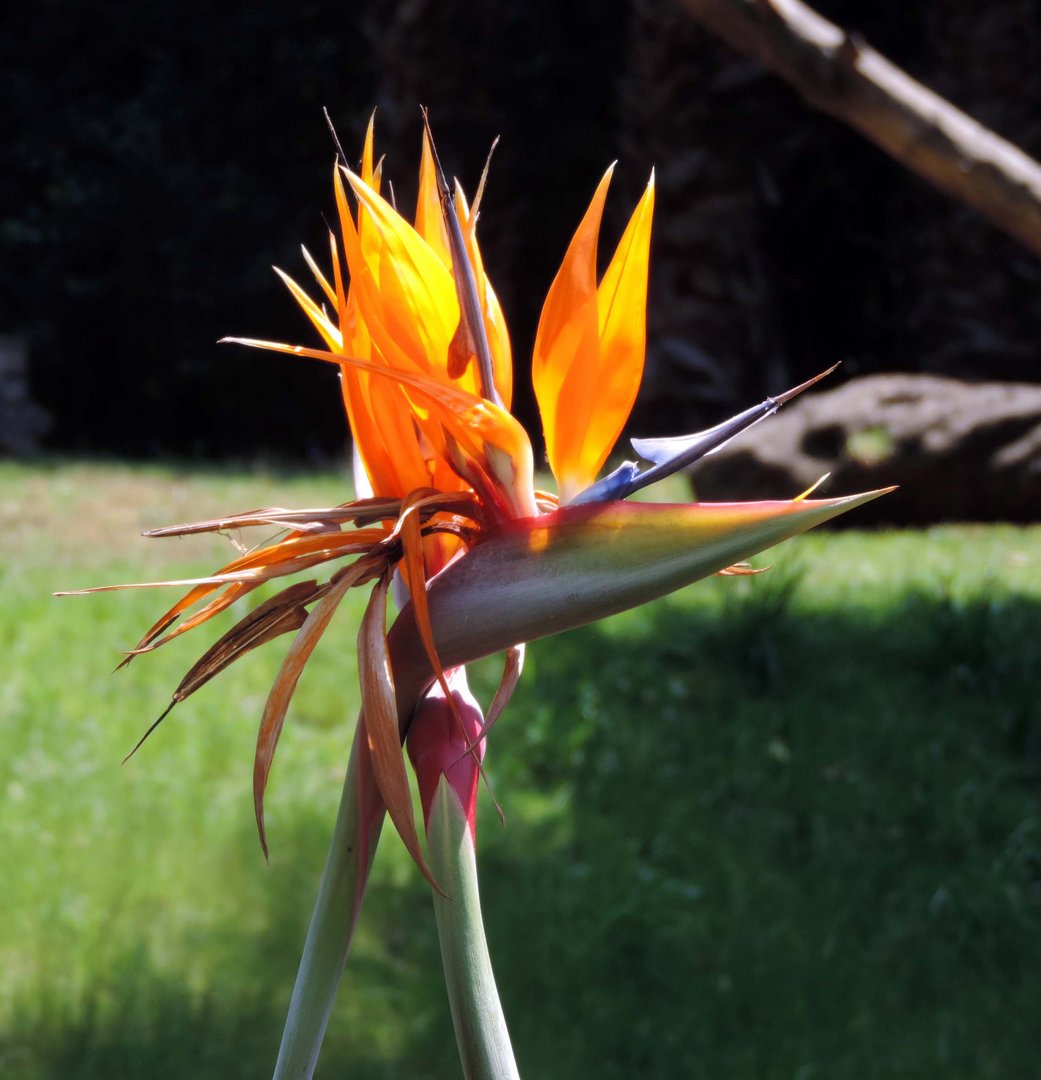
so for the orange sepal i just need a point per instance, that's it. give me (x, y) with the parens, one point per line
(566, 354)
(417, 296)
(486, 432)
(622, 313)
(429, 219)
(586, 379)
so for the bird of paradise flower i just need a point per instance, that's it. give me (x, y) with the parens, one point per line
(481, 559)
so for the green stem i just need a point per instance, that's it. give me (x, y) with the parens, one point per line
(480, 1027)
(336, 909)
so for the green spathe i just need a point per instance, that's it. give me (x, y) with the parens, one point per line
(540, 576)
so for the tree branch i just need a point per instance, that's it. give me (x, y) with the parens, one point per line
(841, 75)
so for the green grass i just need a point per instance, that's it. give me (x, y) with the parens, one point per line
(784, 826)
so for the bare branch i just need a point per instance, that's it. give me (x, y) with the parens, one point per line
(841, 75)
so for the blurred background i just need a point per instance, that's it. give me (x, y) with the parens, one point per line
(158, 159)
(780, 827)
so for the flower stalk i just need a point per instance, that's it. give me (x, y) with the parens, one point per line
(359, 820)
(480, 1026)
(446, 747)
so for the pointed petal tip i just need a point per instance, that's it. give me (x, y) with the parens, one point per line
(258, 808)
(841, 503)
(813, 487)
(603, 558)
(795, 391)
(867, 496)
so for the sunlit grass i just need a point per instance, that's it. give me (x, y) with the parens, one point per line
(772, 827)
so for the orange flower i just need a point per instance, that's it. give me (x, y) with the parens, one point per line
(412, 387)
(589, 349)
(452, 515)
(414, 325)
(411, 359)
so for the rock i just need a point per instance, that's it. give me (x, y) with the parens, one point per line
(959, 451)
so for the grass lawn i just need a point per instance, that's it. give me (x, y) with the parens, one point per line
(782, 827)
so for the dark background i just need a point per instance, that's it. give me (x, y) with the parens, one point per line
(157, 159)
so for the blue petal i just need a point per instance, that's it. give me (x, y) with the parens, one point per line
(670, 455)
(615, 485)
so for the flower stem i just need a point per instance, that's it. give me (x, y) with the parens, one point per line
(357, 830)
(480, 1027)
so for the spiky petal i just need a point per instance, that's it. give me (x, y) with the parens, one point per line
(589, 349)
